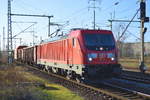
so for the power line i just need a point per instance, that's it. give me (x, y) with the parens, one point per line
(23, 30)
(16, 22)
(129, 24)
(133, 35)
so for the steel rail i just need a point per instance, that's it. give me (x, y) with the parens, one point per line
(142, 96)
(137, 79)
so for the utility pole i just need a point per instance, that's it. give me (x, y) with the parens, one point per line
(94, 13)
(9, 37)
(94, 16)
(49, 23)
(110, 22)
(143, 30)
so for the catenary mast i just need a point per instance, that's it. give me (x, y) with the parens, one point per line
(9, 35)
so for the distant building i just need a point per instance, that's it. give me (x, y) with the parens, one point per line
(133, 49)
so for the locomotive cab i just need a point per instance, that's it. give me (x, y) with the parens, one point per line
(100, 53)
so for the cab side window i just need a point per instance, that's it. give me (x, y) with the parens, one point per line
(74, 42)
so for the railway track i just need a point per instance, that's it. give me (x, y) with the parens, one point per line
(129, 89)
(136, 76)
(90, 92)
(130, 94)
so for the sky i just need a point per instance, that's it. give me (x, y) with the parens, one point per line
(70, 14)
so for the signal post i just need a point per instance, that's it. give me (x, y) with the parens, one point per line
(143, 19)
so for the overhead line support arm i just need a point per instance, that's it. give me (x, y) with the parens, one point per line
(49, 17)
(32, 15)
(123, 21)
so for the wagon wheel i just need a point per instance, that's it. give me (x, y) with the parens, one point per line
(44, 69)
(79, 79)
(69, 75)
(48, 71)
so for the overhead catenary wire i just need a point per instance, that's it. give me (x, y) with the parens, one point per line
(133, 35)
(22, 22)
(70, 18)
(23, 30)
(76, 14)
(19, 27)
(129, 24)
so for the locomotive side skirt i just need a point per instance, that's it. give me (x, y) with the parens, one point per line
(76, 67)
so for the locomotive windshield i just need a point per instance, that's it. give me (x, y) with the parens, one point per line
(95, 41)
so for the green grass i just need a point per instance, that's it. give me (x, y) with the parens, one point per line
(9, 90)
(58, 92)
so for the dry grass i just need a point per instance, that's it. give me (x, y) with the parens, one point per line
(10, 75)
(18, 84)
(18, 93)
(133, 63)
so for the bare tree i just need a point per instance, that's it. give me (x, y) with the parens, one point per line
(120, 37)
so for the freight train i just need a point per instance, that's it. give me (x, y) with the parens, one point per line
(81, 54)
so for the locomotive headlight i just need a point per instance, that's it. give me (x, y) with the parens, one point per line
(91, 56)
(112, 59)
(90, 59)
(111, 55)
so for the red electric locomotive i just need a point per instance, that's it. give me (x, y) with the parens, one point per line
(81, 54)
